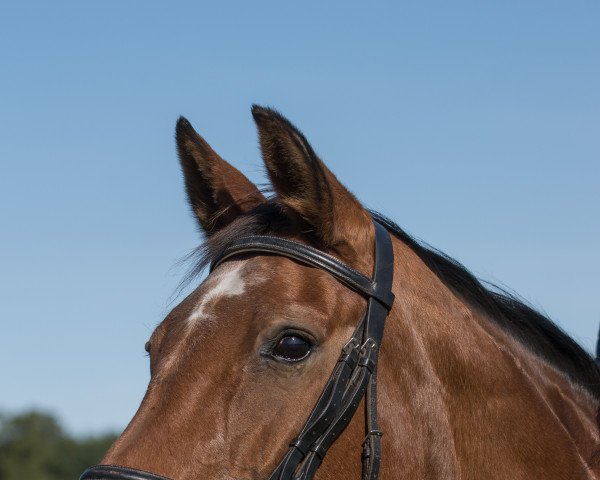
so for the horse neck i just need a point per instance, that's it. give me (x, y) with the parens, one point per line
(460, 397)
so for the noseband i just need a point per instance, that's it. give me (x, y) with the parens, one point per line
(354, 375)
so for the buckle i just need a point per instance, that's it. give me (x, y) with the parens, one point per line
(349, 353)
(376, 433)
(368, 352)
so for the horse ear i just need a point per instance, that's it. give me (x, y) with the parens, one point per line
(306, 188)
(217, 192)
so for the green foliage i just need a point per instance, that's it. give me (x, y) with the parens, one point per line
(33, 446)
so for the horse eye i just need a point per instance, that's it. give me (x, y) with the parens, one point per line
(147, 347)
(292, 348)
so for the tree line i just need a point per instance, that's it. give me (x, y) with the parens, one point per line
(34, 446)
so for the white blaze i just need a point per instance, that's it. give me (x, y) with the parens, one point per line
(225, 283)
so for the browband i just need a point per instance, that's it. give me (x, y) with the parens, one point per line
(309, 256)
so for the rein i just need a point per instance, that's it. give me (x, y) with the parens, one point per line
(354, 376)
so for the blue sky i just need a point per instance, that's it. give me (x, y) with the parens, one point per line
(475, 125)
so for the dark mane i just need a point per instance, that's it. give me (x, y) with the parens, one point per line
(531, 328)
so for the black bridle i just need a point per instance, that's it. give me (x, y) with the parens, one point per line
(354, 375)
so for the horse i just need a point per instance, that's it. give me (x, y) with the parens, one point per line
(469, 382)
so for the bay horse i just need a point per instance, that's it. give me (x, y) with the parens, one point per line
(472, 383)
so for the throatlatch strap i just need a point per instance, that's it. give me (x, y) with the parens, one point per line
(384, 275)
(371, 454)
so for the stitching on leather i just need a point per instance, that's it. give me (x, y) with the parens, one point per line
(286, 242)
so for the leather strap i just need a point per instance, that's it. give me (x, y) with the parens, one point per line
(353, 377)
(112, 472)
(384, 274)
(309, 256)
